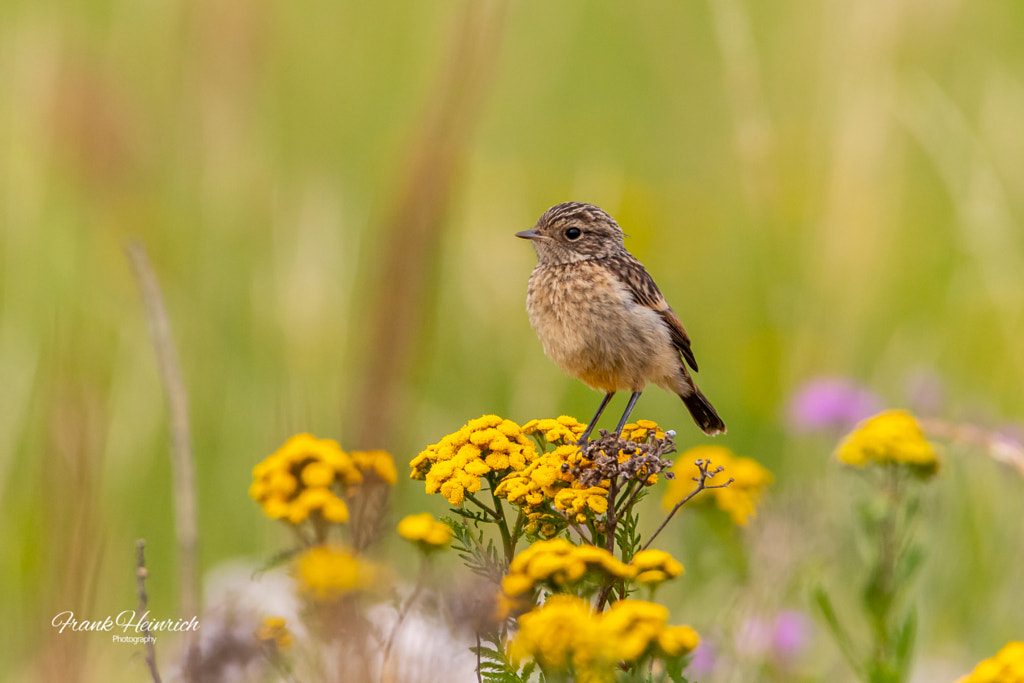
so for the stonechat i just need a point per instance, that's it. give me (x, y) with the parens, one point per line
(602, 319)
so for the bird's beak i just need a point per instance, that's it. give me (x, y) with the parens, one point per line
(531, 235)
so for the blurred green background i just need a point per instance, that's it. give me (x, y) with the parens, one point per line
(328, 193)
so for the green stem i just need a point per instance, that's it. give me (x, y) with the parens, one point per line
(621, 504)
(885, 578)
(471, 498)
(611, 520)
(517, 530)
(499, 516)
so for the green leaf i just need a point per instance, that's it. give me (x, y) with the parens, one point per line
(839, 634)
(674, 667)
(488, 652)
(905, 644)
(910, 561)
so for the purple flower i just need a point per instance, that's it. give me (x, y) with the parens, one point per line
(792, 631)
(831, 405)
(780, 639)
(704, 659)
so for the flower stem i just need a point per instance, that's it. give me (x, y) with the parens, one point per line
(702, 483)
(506, 537)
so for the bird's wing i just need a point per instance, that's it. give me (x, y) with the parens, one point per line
(641, 285)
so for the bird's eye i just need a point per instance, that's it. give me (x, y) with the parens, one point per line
(573, 233)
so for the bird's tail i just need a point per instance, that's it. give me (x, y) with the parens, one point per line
(703, 412)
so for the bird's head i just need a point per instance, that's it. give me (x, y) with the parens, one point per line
(574, 231)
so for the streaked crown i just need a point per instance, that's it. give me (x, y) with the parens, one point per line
(575, 231)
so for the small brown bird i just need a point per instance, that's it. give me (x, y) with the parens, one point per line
(602, 319)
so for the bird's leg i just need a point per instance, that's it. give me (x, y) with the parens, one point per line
(625, 416)
(590, 427)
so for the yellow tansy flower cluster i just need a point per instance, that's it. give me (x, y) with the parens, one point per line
(454, 465)
(330, 572)
(739, 499)
(543, 523)
(377, 463)
(560, 432)
(1006, 667)
(550, 477)
(304, 477)
(543, 479)
(425, 531)
(579, 501)
(274, 632)
(641, 430)
(636, 626)
(892, 436)
(655, 566)
(565, 635)
(557, 562)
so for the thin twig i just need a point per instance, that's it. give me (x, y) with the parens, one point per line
(1000, 448)
(182, 467)
(140, 581)
(702, 484)
(576, 526)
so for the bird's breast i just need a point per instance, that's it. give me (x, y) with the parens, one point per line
(592, 328)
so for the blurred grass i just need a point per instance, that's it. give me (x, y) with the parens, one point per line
(818, 187)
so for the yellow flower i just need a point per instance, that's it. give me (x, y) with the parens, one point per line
(273, 631)
(641, 429)
(454, 465)
(539, 481)
(515, 585)
(318, 473)
(595, 557)
(559, 634)
(739, 499)
(564, 635)
(310, 499)
(426, 531)
(275, 507)
(380, 463)
(578, 502)
(556, 562)
(892, 436)
(543, 524)
(1007, 666)
(334, 509)
(328, 573)
(632, 626)
(303, 478)
(655, 566)
(678, 640)
(563, 431)
(547, 482)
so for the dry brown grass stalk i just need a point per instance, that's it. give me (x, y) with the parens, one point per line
(183, 469)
